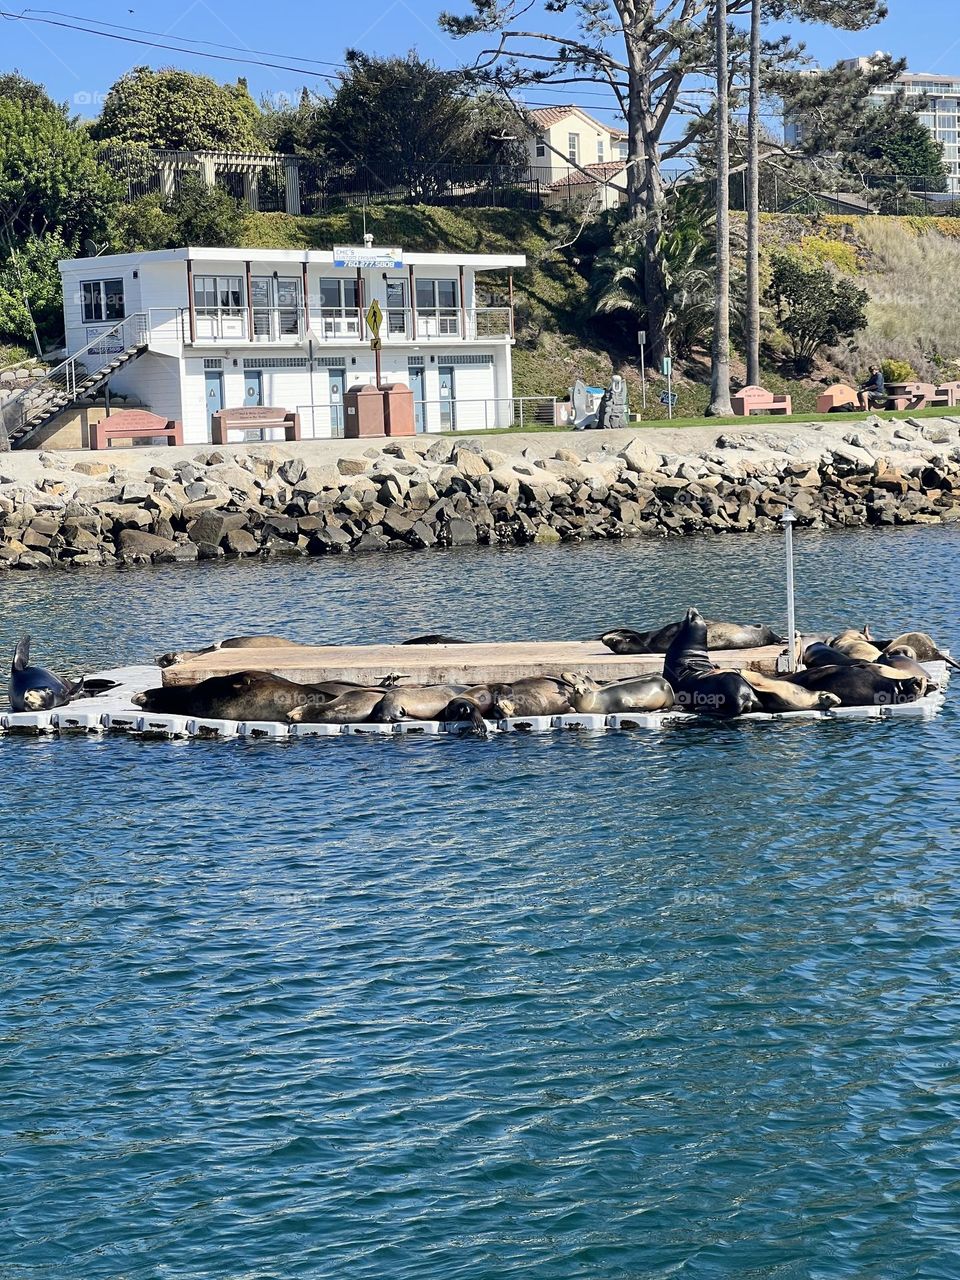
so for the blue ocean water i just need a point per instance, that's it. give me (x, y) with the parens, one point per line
(550, 1007)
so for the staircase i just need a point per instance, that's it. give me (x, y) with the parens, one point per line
(86, 372)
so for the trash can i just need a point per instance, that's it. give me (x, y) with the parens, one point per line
(398, 410)
(363, 413)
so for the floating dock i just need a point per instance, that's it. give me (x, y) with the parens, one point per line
(465, 664)
(115, 712)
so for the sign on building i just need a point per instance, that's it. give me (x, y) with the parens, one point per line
(361, 256)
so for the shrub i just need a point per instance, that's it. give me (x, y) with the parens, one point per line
(813, 308)
(836, 253)
(898, 371)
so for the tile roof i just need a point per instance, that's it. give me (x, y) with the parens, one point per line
(594, 173)
(547, 116)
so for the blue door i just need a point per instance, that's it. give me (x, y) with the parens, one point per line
(448, 398)
(214, 390)
(338, 384)
(252, 387)
(418, 385)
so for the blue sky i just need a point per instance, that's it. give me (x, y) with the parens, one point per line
(79, 68)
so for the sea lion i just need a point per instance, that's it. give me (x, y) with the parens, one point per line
(636, 693)
(923, 645)
(720, 635)
(532, 696)
(698, 684)
(468, 710)
(825, 655)
(855, 644)
(414, 702)
(243, 695)
(860, 684)
(350, 708)
(783, 695)
(36, 688)
(435, 639)
(235, 642)
(903, 658)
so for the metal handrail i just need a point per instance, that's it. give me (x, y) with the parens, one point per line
(71, 372)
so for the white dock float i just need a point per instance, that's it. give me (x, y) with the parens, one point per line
(115, 712)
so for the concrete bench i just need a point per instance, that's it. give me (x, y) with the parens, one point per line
(134, 424)
(758, 400)
(255, 418)
(838, 398)
(950, 392)
(916, 395)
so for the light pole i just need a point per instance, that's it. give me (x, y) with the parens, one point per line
(787, 520)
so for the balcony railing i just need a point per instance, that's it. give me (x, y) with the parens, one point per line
(336, 326)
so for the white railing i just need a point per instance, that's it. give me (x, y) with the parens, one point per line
(333, 325)
(324, 420)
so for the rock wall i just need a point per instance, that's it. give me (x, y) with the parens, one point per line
(452, 492)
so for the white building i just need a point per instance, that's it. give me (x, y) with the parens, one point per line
(940, 115)
(217, 329)
(568, 141)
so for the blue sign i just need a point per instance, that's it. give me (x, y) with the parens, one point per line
(668, 399)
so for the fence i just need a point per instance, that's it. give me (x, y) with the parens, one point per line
(276, 182)
(323, 420)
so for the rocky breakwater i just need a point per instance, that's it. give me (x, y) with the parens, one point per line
(272, 501)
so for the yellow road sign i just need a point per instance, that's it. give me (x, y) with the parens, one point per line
(375, 344)
(374, 318)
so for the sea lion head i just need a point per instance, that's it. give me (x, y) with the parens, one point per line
(901, 651)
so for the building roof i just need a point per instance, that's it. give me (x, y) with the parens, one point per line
(547, 116)
(318, 257)
(593, 173)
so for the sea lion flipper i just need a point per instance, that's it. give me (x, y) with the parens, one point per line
(74, 691)
(21, 657)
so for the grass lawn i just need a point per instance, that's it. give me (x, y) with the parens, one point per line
(756, 421)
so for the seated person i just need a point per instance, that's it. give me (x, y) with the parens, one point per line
(873, 393)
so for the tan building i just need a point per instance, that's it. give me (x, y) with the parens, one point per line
(568, 141)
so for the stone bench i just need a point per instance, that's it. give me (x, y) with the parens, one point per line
(758, 400)
(837, 398)
(134, 424)
(255, 418)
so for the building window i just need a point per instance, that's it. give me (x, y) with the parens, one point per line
(437, 306)
(218, 294)
(102, 300)
(541, 147)
(340, 307)
(277, 306)
(573, 147)
(339, 295)
(600, 156)
(397, 306)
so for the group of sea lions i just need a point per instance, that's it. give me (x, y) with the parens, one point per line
(849, 669)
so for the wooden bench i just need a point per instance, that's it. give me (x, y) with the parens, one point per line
(758, 400)
(134, 424)
(255, 418)
(838, 398)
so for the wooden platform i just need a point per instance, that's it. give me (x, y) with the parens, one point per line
(443, 664)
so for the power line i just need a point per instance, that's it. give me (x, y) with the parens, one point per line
(77, 23)
(143, 31)
(152, 44)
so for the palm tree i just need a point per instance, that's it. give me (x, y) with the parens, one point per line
(753, 199)
(720, 405)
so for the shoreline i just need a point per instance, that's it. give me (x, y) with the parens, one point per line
(164, 505)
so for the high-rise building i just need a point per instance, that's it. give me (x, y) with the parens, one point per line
(940, 114)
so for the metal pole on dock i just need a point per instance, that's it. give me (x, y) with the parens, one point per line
(787, 520)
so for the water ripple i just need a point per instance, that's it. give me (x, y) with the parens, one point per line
(552, 1007)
